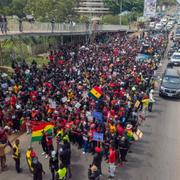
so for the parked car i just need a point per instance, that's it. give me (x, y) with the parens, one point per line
(175, 58)
(170, 84)
(158, 26)
(164, 21)
(152, 25)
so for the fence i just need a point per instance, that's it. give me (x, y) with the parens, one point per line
(38, 27)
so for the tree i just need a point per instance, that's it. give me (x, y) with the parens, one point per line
(48, 9)
(128, 5)
(17, 7)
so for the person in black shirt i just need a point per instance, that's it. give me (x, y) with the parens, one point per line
(53, 163)
(38, 169)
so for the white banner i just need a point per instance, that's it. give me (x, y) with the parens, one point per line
(150, 8)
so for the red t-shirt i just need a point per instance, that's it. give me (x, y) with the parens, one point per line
(112, 156)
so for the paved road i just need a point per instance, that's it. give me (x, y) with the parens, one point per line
(156, 157)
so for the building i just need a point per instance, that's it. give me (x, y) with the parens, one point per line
(92, 7)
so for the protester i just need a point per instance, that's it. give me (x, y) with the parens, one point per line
(37, 169)
(112, 161)
(97, 159)
(61, 173)
(151, 100)
(93, 173)
(2, 156)
(17, 155)
(60, 93)
(44, 144)
(53, 164)
(65, 156)
(30, 155)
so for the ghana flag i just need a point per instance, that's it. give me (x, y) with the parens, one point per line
(96, 92)
(37, 130)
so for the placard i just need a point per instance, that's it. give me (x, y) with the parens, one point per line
(64, 99)
(98, 137)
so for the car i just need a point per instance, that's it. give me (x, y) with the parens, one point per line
(158, 26)
(177, 34)
(164, 21)
(152, 25)
(170, 84)
(169, 26)
(175, 58)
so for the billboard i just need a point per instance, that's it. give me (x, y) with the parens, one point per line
(150, 8)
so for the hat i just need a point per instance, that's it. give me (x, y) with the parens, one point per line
(53, 154)
(33, 154)
(133, 88)
(18, 106)
(97, 149)
(35, 160)
(129, 126)
(93, 168)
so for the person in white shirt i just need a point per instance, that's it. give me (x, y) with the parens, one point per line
(151, 100)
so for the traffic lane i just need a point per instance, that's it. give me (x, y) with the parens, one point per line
(156, 156)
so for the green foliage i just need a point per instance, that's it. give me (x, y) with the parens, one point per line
(132, 5)
(47, 9)
(115, 19)
(43, 10)
(110, 19)
(166, 2)
(24, 48)
(127, 5)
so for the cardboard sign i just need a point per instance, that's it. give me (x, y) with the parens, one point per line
(137, 103)
(53, 105)
(98, 137)
(137, 135)
(70, 109)
(77, 105)
(85, 94)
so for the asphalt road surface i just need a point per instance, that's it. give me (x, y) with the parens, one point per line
(155, 157)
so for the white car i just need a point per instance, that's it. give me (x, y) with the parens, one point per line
(169, 26)
(158, 26)
(171, 23)
(175, 58)
(152, 25)
(164, 21)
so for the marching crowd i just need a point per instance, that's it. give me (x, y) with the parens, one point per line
(58, 93)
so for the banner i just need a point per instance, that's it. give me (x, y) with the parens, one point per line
(98, 116)
(150, 8)
(98, 137)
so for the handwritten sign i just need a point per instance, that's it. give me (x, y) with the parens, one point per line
(98, 137)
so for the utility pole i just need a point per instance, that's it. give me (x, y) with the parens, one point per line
(120, 11)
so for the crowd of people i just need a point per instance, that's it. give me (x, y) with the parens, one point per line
(59, 93)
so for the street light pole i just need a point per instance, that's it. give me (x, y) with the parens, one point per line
(120, 11)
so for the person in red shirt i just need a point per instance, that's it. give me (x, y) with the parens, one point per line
(112, 160)
(49, 144)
